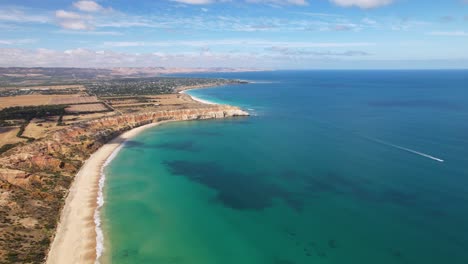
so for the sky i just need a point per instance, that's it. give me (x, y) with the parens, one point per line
(269, 34)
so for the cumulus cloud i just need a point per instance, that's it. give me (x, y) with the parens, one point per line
(362, 3)
(82, 19)
(88, 6)
(72, 20)
(62, 14)
(75, 25)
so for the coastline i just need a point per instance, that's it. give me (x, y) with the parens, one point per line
(78, 233)
(196, 98)
(78, 236)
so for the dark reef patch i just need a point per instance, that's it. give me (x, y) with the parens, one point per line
(205, 133)
(358, 188)
(134, 144)
(180, 146)
(398, 197)
(332, 243)
(235, 190)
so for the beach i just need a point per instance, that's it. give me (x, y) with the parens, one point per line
(196, 98)
(76, 238)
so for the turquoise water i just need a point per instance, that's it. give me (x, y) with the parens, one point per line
(333, 167)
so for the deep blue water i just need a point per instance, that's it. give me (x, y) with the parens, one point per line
(332, 167)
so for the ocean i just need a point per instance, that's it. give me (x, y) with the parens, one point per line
(332, 167)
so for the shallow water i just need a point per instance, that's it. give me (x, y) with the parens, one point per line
(313, 177)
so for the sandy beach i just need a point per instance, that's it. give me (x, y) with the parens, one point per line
(75, 238)
(78, 237)
(198, 99)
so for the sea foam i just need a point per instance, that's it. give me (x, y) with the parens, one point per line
(100, 203)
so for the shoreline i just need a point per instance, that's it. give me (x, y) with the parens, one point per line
(78, 236)
(198, 99)
(80, 221)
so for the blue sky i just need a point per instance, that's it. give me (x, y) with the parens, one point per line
(278, 34)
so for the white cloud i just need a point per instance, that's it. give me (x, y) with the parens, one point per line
(73, 21)
(75, 25)
(89, 58)
(459, 33)
(343, 3)
(16, 15)
(238, 42)
(16, 41)
(286, 51)
(88, 6)
(81, 20)
(339, 58)
(202, 58)
(362, 3)
(194, 2)
(62, 14)
(102, 33)
(269, 2)
(280, 2)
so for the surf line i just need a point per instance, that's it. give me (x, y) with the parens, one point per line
(405, 149)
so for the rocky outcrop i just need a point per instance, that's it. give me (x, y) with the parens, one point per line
(34, 178)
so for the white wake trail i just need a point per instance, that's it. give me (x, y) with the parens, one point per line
(407, 149)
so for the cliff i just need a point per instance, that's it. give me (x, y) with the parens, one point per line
(34, 178)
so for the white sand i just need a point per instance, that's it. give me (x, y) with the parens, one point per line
(75, 238)
(198, 99)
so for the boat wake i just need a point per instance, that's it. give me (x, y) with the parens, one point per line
(406, 149)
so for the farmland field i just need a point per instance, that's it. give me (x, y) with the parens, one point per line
(8, 135)
(74, 100)
(71, 119)
(81, 108)
(38, 127)
(39, 99)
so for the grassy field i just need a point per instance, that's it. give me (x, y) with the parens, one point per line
(8, 135)
(86, 108)
(39, 127)
(40, 99)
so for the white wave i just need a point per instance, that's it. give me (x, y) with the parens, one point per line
(100, 203)
(202, 100)
(407, 149)
(198, 99)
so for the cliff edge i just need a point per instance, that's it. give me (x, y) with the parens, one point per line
(35, 177)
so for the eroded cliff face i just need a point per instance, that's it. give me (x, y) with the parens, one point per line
(34, 178)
